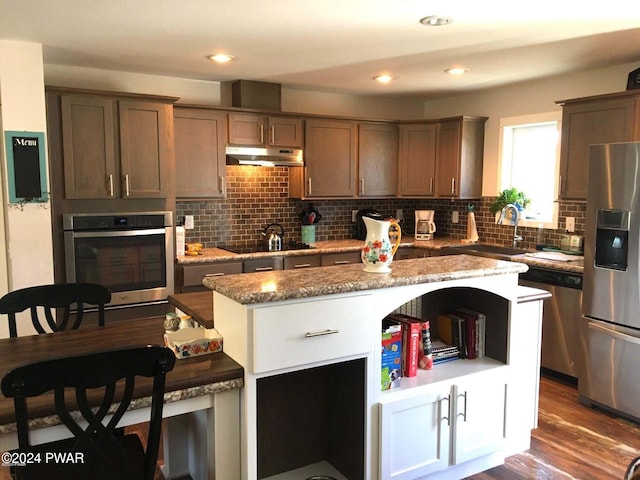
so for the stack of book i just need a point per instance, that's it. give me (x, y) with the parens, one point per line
(465, 329)
(443, 352)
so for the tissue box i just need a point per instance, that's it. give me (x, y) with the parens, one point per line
(191, 342)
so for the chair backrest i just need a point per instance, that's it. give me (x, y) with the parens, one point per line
(50, 298)
(109, 377)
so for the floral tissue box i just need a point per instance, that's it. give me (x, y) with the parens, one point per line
(190, 342)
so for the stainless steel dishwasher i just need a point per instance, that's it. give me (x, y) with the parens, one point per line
(563, 338)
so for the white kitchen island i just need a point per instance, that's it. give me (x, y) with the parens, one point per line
(310, 344)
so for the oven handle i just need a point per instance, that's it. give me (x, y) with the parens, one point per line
(118, 233)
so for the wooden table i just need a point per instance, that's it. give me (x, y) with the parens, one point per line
(200, 391)
(199, 305)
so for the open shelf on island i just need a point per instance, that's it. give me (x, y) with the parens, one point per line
(316, 417)
(440, 302)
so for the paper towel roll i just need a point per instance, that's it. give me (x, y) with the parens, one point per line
(472, 231)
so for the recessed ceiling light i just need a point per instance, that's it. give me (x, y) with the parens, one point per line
(221, 58)
(384, 78)
(435, 21)
(456, 70)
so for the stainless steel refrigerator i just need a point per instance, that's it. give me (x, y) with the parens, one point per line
(611, 287)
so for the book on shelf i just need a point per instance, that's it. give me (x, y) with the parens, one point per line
(442, 351)
(475, 328)
(411, 342)
(391, 371)
(438, 361)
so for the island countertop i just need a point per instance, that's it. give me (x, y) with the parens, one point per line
(272, 286)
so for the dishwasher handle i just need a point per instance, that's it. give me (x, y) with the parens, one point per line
(614, 333)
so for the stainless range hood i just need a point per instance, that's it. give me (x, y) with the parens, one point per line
(269, 157)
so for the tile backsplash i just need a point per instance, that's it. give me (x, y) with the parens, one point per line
(258, 196)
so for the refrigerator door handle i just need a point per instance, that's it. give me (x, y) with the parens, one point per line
(614, 333)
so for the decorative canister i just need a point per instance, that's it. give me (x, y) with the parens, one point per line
(171, 322)
(377, 252)
(308, 234)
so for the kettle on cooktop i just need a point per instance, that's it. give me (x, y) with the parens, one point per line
(273, 233)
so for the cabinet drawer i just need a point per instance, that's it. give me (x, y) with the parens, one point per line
(262, 264)
(193, 275)
(301, 261)
(340, 258)
(292, 335)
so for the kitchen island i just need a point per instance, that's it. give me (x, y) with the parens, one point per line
(310, 345)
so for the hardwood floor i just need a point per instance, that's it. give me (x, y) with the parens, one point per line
(572, 442)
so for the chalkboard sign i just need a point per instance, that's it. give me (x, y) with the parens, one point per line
(26, 167)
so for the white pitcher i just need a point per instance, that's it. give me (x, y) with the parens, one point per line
(377, 252)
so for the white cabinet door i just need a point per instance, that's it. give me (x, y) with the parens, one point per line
(414, 434)
(479, 415)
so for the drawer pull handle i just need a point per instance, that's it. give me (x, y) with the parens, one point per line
(328, 331)
(219, 274)
(302, 265)
(341, 262)
(263, 269)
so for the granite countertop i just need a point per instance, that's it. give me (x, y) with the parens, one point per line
(572, 266)
(327, 246)
(279, 285)
(210, 255)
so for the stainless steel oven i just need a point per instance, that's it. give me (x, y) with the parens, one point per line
(130, 253)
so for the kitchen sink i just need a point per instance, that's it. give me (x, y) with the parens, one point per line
(489, 250)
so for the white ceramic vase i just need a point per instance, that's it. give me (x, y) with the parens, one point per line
(377, 252)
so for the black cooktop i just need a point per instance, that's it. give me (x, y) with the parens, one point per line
(261, 247)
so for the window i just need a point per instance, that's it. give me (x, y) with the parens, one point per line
(529, 161)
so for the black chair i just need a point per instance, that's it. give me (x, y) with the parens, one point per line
(98, 450)
(50, 298)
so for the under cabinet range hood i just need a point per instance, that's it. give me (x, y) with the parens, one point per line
(268, 157)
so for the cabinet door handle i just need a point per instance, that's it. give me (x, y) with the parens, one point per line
(302, 265)
(464, 413)
(261, 133)
(263, 269)
(447, 417)
(328, 331)
(272, 130)
(221, 186)
(126, 185)
(362, 186)
(111, 194)
(453, 186)
(431, 185)
(309, 186)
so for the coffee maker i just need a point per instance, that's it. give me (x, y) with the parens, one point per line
(425, 228)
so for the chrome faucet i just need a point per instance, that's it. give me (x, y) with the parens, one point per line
(516, 217)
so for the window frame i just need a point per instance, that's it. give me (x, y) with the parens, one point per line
(520, 121)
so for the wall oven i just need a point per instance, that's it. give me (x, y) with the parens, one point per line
(130, 253)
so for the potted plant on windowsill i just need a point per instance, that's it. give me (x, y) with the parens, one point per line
(509, 196)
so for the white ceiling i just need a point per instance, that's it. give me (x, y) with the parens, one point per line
(333, 45)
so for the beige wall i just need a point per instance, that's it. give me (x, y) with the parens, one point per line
(209, 93)
(27, 258)
(536, 96)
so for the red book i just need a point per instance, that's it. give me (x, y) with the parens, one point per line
(471, 333)
(411, 343)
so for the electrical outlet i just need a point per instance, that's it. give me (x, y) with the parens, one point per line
(354, 216)
(188, 222)
(571, 224)
(455, 217)
(399, 214)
